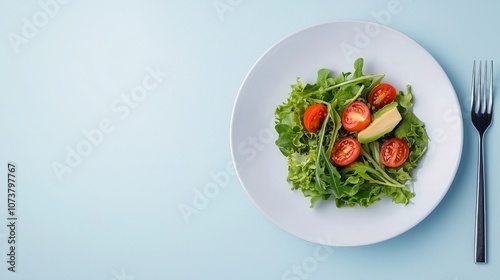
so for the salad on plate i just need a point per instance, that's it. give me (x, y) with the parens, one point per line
(351, 138)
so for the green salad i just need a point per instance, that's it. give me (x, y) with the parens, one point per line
(350, 138)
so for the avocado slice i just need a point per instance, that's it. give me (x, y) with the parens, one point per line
(383, 121)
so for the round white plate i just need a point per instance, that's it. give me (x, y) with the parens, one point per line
(262, 169)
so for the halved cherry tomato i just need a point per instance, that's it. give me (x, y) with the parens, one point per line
(356, 116)
(314, 117)
(394, 152)
(381, 95)
(345, 151)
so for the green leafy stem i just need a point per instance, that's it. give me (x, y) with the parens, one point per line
(380, 171)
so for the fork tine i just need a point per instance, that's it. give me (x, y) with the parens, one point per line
(480, 89)
(484, 89)
(490, 97)
(473, 88)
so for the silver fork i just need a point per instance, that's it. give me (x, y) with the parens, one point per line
(481, 112)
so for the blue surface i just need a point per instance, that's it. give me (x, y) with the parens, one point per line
(74, 68)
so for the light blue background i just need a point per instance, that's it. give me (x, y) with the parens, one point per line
(116, 216)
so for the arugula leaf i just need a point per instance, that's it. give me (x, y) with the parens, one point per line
(358, 68)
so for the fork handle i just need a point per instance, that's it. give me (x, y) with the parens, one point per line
(480, 228)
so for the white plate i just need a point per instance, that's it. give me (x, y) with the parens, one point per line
(262, 169)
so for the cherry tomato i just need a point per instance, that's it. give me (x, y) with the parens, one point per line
(394, 152)
(381, 95)
(356, 116)
(314, 117)
(345, 151)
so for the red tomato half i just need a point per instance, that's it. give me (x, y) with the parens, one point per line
(356, 116)
(381, 95)
(314, 117)
(394, 152)
(345, 151)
